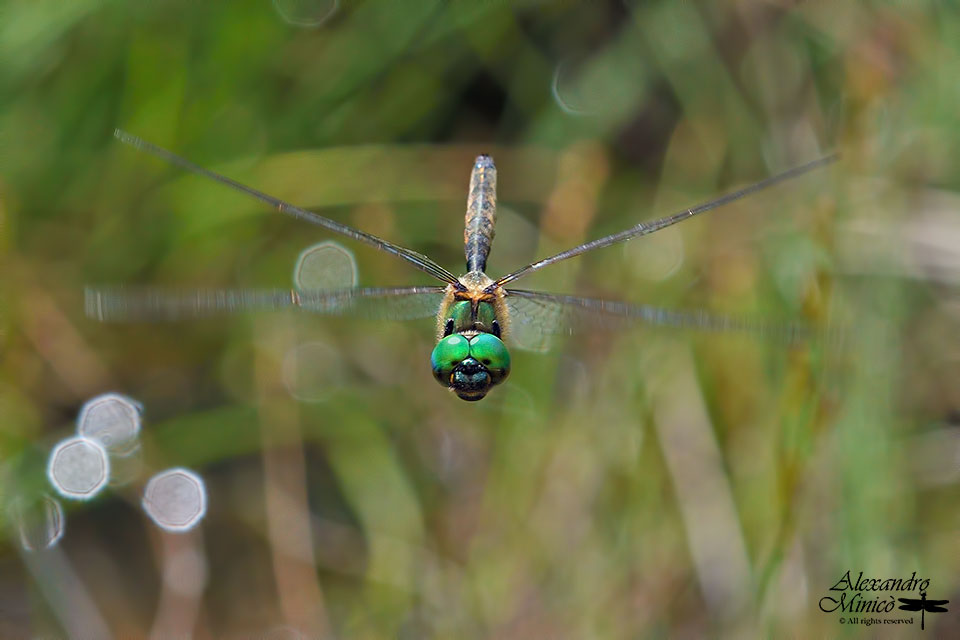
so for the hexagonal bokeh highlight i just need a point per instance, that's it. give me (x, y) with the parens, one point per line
(111, 419)
(175, 499)
(325, 266)
(78, 468)
(306, 13)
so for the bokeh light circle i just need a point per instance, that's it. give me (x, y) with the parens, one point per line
(313, 371)
(111, 419)
(41, 524)
(306, 13)
(325, 266)
(78, 468)
(175, 499)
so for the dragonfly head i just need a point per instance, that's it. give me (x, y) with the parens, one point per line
(470, 365)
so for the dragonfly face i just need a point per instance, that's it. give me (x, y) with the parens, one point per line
(470, 363)
(475, 314)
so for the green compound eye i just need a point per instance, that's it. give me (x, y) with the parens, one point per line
(490, 351)
(448, 353)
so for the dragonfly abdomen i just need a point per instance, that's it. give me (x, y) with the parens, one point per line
(481, 213)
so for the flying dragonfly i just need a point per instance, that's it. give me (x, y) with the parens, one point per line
(475, 314)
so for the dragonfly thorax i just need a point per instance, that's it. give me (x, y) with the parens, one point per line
(475, 281)
(470, 356)
(473, 304)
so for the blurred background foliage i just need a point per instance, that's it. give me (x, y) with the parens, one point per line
(643, 483)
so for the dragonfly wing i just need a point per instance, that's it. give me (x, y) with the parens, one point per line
(418, 260)
(144, 304)
(536, 318)
(406, 303)
(535, 321)
(652, 226)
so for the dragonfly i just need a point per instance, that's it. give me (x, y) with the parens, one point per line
(922, 605)
(475, 313)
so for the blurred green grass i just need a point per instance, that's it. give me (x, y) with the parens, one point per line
(643, 483)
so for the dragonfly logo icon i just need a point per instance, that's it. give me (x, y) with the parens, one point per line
(923, 606)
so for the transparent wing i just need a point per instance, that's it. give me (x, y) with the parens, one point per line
(537, 318)
(146, 304)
